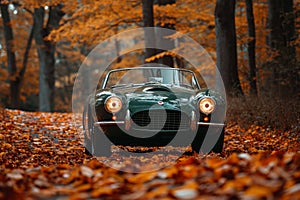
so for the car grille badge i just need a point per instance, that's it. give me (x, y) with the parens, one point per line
(160, 103)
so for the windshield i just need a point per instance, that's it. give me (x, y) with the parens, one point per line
(150, 75)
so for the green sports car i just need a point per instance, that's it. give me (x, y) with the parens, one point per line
(153, 106)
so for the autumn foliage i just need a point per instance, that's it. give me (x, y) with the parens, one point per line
(42, 157)
(86, 23)
(42, 154)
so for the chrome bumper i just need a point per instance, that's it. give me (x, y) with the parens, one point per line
(210, 124)
(108, 123)
(123, 122)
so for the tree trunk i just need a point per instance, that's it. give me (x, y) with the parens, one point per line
(149, 34)
(251, 47)
(226, 46)
(46, 53)
(25, 58)
(281, 22)
(161, 36)
(11, 57)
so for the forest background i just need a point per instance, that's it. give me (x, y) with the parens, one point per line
(255, 45)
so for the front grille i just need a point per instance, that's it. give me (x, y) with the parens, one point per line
(157, 120)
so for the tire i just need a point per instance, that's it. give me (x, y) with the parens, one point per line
(220, 143)
(86, 131)
(87, 146)
(99, 143)
(198, 140)
(201, 135)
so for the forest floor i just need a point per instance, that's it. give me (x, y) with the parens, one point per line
(42, 157)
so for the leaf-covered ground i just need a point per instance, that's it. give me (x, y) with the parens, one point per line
(41, 157)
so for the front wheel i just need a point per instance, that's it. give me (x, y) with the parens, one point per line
(220, 143)
(101, 144)
(87, 132)
(209, 139)
(98, 144)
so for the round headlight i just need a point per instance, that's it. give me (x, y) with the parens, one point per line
(207, 105)
(113, 104)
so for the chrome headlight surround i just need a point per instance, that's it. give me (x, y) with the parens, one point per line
(113, 104)
(207, 105)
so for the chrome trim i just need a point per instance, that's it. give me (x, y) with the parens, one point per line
(108, 123)
(127, 120)
(193, 121)
(210, 124)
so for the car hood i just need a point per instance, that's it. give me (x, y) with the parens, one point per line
(157, 96)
